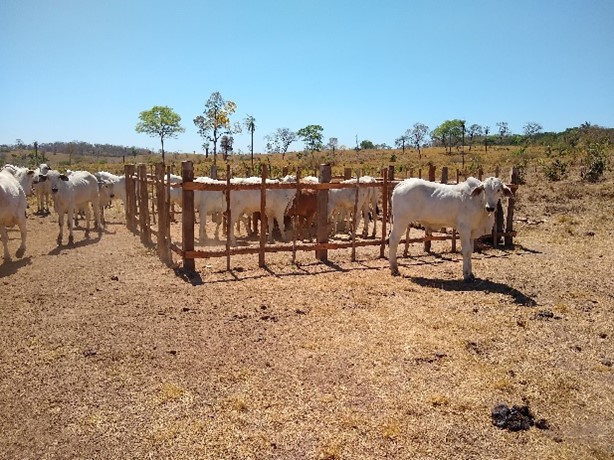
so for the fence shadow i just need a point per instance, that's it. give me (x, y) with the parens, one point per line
(478, 284)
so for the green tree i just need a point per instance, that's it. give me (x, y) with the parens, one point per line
(367, 145)
(530, 129)
(250, 125)
(160, 121)
(279, 141)
(418, 135)
(312, 136)
(449, 133)
(215, 121)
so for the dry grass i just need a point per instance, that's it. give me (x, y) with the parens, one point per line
(337, 361)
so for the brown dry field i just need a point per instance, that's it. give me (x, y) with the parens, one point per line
(107, 354)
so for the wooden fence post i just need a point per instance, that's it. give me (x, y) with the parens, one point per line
(432, 169)
(130, 198)
(263, 218)
(355, 218)
(227, 217)
(163, 236)
(509, 227)
(144, 205)
(390, 172)
(384, 211)
(347, 173)
(444, 175)
(322, 230)
(187, 216)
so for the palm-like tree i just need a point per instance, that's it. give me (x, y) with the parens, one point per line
(250, 124)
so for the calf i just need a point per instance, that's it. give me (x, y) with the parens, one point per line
(304, 207)
(468, 207)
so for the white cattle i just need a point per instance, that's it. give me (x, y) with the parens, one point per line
(341, 203)
(71, 193)
(208, 202)
(468, 207)
(13, 206)
(248, 202)
(42, 189)
(24, 176)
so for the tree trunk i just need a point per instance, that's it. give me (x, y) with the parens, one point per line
(162, 143)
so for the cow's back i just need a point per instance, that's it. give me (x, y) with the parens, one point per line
(429, 203)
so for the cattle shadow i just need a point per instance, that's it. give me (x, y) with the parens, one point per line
(12, 267)
(477, 284)
(76, 245)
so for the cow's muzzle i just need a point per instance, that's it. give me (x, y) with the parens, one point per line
(54, 190)
(490, 208)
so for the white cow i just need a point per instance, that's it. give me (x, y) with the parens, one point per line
(24, 176)
(341, 203)
(71, 193)
(469, 207)
(42, 189)
(248, 202)
(13, 206)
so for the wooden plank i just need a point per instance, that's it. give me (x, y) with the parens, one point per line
(264, 225)
(384, 213)
(143, 204)
(228, 215)
(509, 225)
(130, 198)
(322, 213)
(187, 217)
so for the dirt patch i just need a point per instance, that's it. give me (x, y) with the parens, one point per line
(106, 353)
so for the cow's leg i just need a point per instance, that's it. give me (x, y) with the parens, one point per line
(466, 250)
(61, 225)
(398, 227)
(202, 229)
(98, 210)
(21, 223)
(5, 243)
(88, 216)
(375, 217)
(70, 220)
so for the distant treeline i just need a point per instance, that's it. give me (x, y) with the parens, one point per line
(570, 138)
(77, 148)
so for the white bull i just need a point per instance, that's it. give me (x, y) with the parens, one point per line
(468, 207)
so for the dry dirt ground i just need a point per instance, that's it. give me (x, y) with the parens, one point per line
(107, 354)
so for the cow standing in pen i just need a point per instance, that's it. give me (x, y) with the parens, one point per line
(70, 193)
(469, 207)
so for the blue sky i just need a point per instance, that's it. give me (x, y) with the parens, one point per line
(84, 70)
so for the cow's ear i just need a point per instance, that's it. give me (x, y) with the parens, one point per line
(30, 172)
(64, 177)
(476, 191)
(507, 192)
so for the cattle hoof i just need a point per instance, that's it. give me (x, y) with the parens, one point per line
(71, 240)
(470, 278)
(395, 272)
(20, 252)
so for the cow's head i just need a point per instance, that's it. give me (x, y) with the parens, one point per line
(56, 180)
(493, 189)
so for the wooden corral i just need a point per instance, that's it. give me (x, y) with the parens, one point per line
(148, 201)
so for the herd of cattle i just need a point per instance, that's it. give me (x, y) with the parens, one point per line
(468, 206)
